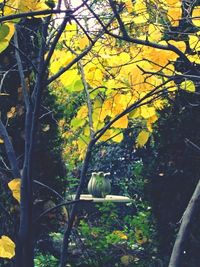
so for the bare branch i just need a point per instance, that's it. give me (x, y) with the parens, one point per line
(119, 20)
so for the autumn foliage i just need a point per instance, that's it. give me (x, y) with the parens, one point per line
(111, 65)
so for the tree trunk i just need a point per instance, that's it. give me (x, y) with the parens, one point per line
(184, 228)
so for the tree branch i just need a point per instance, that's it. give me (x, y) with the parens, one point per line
(66, 203)
(184, 228)
(79, 57)
(34, 13)
(9, 151)
(89, 104)
(21, 71)
(48, 188)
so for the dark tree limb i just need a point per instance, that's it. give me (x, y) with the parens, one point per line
(178, 248)
(34, 13)
(9, 151)
(21, 71)
(25, 242)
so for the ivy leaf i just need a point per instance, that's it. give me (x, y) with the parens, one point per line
(7, 247)
(14, 186)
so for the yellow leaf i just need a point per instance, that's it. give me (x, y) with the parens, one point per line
(142, 138)
(141, 19)
(154, 33)
(194, 42)
(7, 247)
(194, 58)
(120, 234)
(174, 14)
(147, 112)
(179, 44)
(14, 186)
(117, 136)
(82, 113)
(129, 6)
(32, 5)
(196, 16)
(11, 31)
(70, 31)
(83, 42)
(135, 113)
(121, 123)
(69, 77)
(1, 141)
(188, 86)
(150, 122)
(172, 2)
(141, 11)
(60, 59)
(124, 58)
(107, 135)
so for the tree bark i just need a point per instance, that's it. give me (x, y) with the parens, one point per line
(184, 228)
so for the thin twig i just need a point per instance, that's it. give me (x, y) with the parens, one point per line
(48, 188)
(66, 203)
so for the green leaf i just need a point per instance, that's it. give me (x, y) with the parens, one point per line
(76, 123)
(4, 31)
(78, 86)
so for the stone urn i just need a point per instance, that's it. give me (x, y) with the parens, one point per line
(99, 185)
